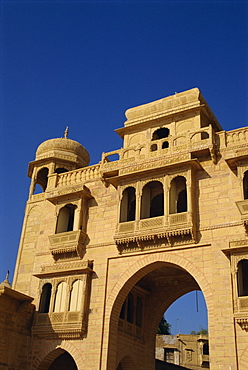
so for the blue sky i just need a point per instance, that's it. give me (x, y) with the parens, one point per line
(83, 63)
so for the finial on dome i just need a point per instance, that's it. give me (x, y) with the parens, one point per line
(66, 132)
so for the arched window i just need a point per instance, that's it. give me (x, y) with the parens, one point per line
(178, 195)
(76, 296)
(161, 133)
(242, 277)
(130, 308)
(42, 178)
(128, 205)
(65, 221)
(139, 308)
(245, 185)
(152, 200)
(123, 310)
(45, 298)
(60, 298)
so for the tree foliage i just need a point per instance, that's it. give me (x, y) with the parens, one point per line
(202, 331)
(164, 327)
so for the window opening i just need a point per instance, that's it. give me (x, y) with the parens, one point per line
(245, 185)
(182, 201)
(165, 145)
(60, 298)
(139, 308)
(161, 133)
(154, 147)
(123, 311)
(42, 178)
(243, 278)
(157, 205)
(128, 205)
(76, 295)
(130, 308)
(178, 195)
(65, 221)
(204, 135)
(152, 200)
(61, 170)
(45, 298)
(38, 189)
(205, 349)
(169, 355)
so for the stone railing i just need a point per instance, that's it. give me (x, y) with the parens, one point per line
(74, 177)
(129, 328)
(160, 226)
(237, 137)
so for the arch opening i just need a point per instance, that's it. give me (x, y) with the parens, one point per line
(58, 359)
(152, 200)
(160, 133)
(242, 278)
(159, 288)
(41, 181)
(178, 195)
(45, 298)
(65, 220)
(128, 205)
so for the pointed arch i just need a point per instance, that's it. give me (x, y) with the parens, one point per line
(132, 275)
(49, 351)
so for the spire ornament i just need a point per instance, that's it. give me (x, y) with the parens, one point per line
(66, 132)
(6, 282)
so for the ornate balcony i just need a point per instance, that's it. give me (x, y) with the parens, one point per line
(170, 230)
(70, 242)
(60, 324)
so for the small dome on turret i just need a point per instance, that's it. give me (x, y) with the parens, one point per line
(65, 149)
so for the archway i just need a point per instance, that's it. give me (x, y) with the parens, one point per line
(58, 359)
(126, 364)
(159, 284)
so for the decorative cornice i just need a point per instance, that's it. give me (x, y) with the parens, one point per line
(66, 268)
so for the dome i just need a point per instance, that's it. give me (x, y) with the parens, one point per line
(65, 149)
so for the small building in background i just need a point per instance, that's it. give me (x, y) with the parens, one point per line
(190, 351)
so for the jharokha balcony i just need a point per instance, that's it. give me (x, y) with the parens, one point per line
(170, 230)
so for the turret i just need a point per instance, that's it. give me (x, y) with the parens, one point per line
(56, 156)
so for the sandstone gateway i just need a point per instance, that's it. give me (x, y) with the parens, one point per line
(106, 249)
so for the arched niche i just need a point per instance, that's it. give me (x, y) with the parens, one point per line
(41, 179)
(60, 297)
(128, 205)
(152, 200)
(160, 133)
(242, 278)
(45, 298)
(65, 220)
(178, 195)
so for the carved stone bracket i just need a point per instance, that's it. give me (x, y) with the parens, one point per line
(243, 322)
